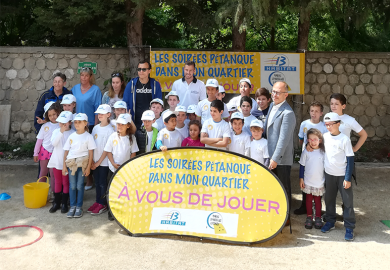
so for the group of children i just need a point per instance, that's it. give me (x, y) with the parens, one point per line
(327, 164)
(66, 149)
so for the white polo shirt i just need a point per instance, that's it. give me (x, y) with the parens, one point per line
(189, 93)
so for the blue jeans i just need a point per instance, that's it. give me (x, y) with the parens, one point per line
(100, 177)
(76, 187)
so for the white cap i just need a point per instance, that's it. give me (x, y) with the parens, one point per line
(180, 108)
(167, 114)
(191, 109)
(48, 105)
(123, 118)
(148, 115)
(103, 109)
(157, 100)
(247, 81)
(68, 99)
(331, 117)
(81, 117)
(65, 117)
(231, 107)
(120, 105)
(212, 83)
(172, 93)
(221, 89)
(257, 123)
(237, 115)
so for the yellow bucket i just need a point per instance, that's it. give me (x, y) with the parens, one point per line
(35, 194)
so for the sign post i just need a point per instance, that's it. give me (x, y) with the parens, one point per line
(92, 65)
(198, 192)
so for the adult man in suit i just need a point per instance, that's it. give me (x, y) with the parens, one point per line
(279, 129)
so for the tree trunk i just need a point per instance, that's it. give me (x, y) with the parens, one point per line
(303, 39)
(239, 39)
(135, 16)
(273, 33)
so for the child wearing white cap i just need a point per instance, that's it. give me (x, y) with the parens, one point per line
(78, 159)
(147, 134)
(259, 146)
(191, 112)
(203, 108)
(100, 134)
(56, 162)
(245, 90)
(43, 146)
(181, 125)
(239, 141)
(169, 137)
(221, 93)
(157, 106)
(120, 107)
(122, 145)
(339, 163)
(69, 104)
(173, 100)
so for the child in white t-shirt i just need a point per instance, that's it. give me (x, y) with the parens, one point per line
(339, 163)
(157, 106)
(43, 147)
(56, 162)
(78, 159)
(181, 125)
(312, 178)
(246, 107)
(316, 111)
(120, 107)
(259, 146)
(215, 132)
(240, 141)
(203, 108)
(149, 133)
(169, 136)
(69, 104)
(338, 103)
(100, 134)
(121, 145)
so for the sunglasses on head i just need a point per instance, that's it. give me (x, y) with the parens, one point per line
(142, 69)
(116, 75)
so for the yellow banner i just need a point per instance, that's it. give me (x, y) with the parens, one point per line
(198, 192)
(263, 69)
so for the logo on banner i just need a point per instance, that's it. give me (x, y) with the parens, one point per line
(215, 222)
(173, 218)
(278, 63)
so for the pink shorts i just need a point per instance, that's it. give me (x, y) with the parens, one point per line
(44, 154)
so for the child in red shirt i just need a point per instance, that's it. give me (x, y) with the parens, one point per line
(194, 131)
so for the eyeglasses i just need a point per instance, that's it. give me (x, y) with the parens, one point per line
(330, 124)
(142, 69)
(116, 75)
(276, 93)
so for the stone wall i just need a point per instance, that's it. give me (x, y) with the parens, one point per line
(26, 72)
(362, 77)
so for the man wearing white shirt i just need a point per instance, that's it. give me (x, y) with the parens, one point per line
(189, 89)
(280, 125)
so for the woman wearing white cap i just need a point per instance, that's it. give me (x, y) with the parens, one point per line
(58, 139)
(245, 91)
(88, 96)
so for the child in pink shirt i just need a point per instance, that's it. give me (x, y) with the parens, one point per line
(194, 131)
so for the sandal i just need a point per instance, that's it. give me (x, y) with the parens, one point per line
(309, 223)
(318, 223)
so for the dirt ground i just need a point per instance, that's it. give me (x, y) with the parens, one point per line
(93, 242)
